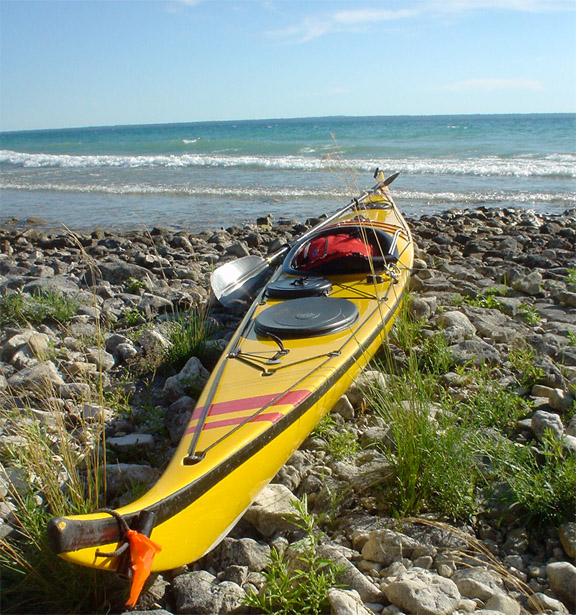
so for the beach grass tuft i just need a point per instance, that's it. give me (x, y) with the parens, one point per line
(450, 453)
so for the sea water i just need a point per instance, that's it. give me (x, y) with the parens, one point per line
(207, 175)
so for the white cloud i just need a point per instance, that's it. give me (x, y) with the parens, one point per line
(187, 2)
(356, 20)
(494, 84)
(351, 20)
(360, 16)
(530, 6)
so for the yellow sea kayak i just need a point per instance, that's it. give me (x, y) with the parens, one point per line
(313, 327)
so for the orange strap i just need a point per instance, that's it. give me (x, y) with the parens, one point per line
(142, 552)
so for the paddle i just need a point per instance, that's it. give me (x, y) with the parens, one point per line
(241, 277)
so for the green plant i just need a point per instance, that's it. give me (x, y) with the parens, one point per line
(23, 309)
(543, 484)
(299, 583)
(340, 443)
(522, 359)
(492, 406)
(133, 285)
(434, 356)
(571, 276)
(572, 338)
(132, 317)
(485, 299)
(529, 313)
(187, 336)
(433, 463)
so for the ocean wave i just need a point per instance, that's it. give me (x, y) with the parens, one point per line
(553, 165)
(145, 189)
(271, 194)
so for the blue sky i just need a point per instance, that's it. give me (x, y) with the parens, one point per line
(85, 63)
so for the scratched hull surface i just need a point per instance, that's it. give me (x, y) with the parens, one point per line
(264, 397)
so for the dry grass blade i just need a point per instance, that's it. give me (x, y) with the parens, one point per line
(478, 554)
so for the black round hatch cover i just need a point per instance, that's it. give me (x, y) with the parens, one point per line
(307, 317)
(291, 288)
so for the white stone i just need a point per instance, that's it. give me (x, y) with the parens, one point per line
(503, 604)
(386, 546)
(270, 508)
(423, 592)
(562, 578)
(347, 602)
(141, 440)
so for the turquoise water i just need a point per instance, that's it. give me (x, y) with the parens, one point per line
(211, 174)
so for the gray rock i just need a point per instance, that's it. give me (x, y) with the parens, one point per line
(571, 429)
(36, 343)
(177, 417)
(503, 604)
(456, 325)
(568, 444)
(567, 535)
(475, 351)
(346, 602)
(240, 552)
(546, 603)
(116, 273)
(238, 248)
(125, 351)
(58, 284)
(351, 577)
(131, 441)
(344, 408)
(562, 578)
(543, 421)
(103, 360)
(367, 381)
(476, 583)
(75, 390)
(152, 342)
(560, 400)
(422, 592)
(237, 574)
(191, 379)
(123, 476)
(567, 298)
(153, 304)
(386, 546)
(271, 509)
(419, 308)
(94, 413)
(529, 284)
(198, 593)
(38, 378)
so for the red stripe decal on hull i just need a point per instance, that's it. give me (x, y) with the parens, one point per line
(292, 398)
(271, 416)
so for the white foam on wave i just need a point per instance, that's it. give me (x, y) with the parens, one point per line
(553, 165)
(135, 189)
(228, 192)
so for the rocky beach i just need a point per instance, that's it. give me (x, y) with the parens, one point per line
(497, 286)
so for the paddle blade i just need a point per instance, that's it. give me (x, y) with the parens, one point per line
(238, 279)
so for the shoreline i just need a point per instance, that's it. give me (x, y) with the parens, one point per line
(43, 226)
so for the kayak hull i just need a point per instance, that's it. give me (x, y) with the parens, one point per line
(264, 397)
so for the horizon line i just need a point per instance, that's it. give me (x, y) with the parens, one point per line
(283, 119)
